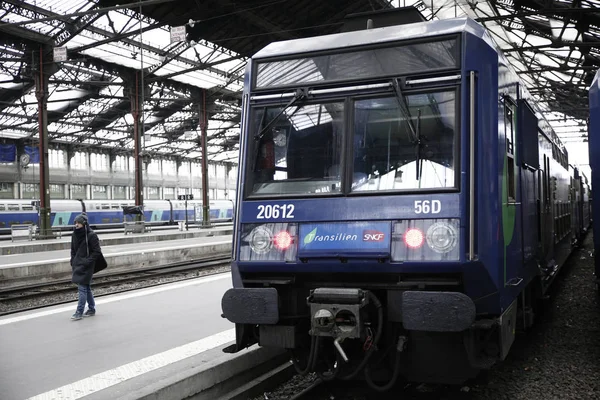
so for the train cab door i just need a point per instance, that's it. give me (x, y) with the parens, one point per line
(546, 232)
(512, 198)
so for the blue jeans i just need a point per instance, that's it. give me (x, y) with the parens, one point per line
(85, 294)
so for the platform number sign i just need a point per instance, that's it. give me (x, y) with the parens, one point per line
(185, 197)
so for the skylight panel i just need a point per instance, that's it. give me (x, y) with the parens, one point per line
(121, 54)
(570, 32)
(556, 76)
(516, 36)
(40, 27)
(538, 40)
(543, 59)
(159, 37)
(121, 22)
(80, 40)
(64, 6)
(14, 133)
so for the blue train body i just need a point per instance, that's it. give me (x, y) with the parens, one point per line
(594, 154)
(337, 224)
(104, 214)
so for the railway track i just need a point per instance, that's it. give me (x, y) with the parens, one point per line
(112, 283)
(359, 390)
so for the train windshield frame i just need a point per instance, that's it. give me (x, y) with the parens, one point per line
(294, 148)
(366, 62)
(406, 142)
(358, 144)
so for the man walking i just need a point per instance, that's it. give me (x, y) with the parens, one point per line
(86, 259)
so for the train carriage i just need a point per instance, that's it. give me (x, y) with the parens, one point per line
(108, 214)
(594, 154)
(400, 197)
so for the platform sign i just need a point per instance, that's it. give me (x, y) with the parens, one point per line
(185, 197)
(60, 54)
(178, 34)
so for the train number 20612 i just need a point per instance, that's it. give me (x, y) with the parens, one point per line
(275, 211)
(428, 207)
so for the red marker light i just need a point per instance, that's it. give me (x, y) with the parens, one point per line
(283, 240)
(413, 238)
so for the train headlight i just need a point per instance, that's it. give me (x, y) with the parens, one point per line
(413, 238)
(269, 242)
(442, 237)
(261, 240)
(426, 240)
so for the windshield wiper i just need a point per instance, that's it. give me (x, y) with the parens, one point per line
(403, 106)
(419, 162)
(416, 132)
(301, 94)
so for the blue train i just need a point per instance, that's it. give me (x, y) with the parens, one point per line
(105, 214)
(402, 203)
(594, 155)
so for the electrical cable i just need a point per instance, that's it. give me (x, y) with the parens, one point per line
(392, 381)
(371, 350)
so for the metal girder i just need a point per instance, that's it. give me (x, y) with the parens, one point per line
(258, 21)
(533, 17)
(36, 11)
(116, 37)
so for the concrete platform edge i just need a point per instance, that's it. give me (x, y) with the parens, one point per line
(209, 375)
(65, 244)
(42, 272)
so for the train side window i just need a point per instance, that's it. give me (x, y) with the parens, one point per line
(27, 208)
(509, 130)
(2, 207)
(13, 207)
(105, 206)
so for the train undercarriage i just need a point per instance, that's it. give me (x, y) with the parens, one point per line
(416, 329)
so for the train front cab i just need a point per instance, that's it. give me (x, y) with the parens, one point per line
(325, 259)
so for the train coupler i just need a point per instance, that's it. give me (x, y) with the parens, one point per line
(337, 313)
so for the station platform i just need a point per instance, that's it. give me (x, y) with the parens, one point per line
(18, 270)
(133, 343)
(7, 247)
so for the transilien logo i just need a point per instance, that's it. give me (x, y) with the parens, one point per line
(310, 236)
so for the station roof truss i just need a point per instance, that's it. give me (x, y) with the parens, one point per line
(553, 45)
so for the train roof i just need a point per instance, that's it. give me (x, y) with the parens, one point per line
(385, 34)
(417, 30)
(595, 86)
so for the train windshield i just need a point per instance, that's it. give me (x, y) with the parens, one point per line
(400, 142)
(406, 142)
(300, 151)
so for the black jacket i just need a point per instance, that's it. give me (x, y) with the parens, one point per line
(86, 256)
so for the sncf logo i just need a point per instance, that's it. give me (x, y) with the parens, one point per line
(371, 235)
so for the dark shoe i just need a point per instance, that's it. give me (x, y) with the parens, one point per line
(76, 317)
(89, 313)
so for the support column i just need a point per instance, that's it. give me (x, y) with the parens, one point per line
(204, 127)
(136, 111)
(227, 170)
(41, 92)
